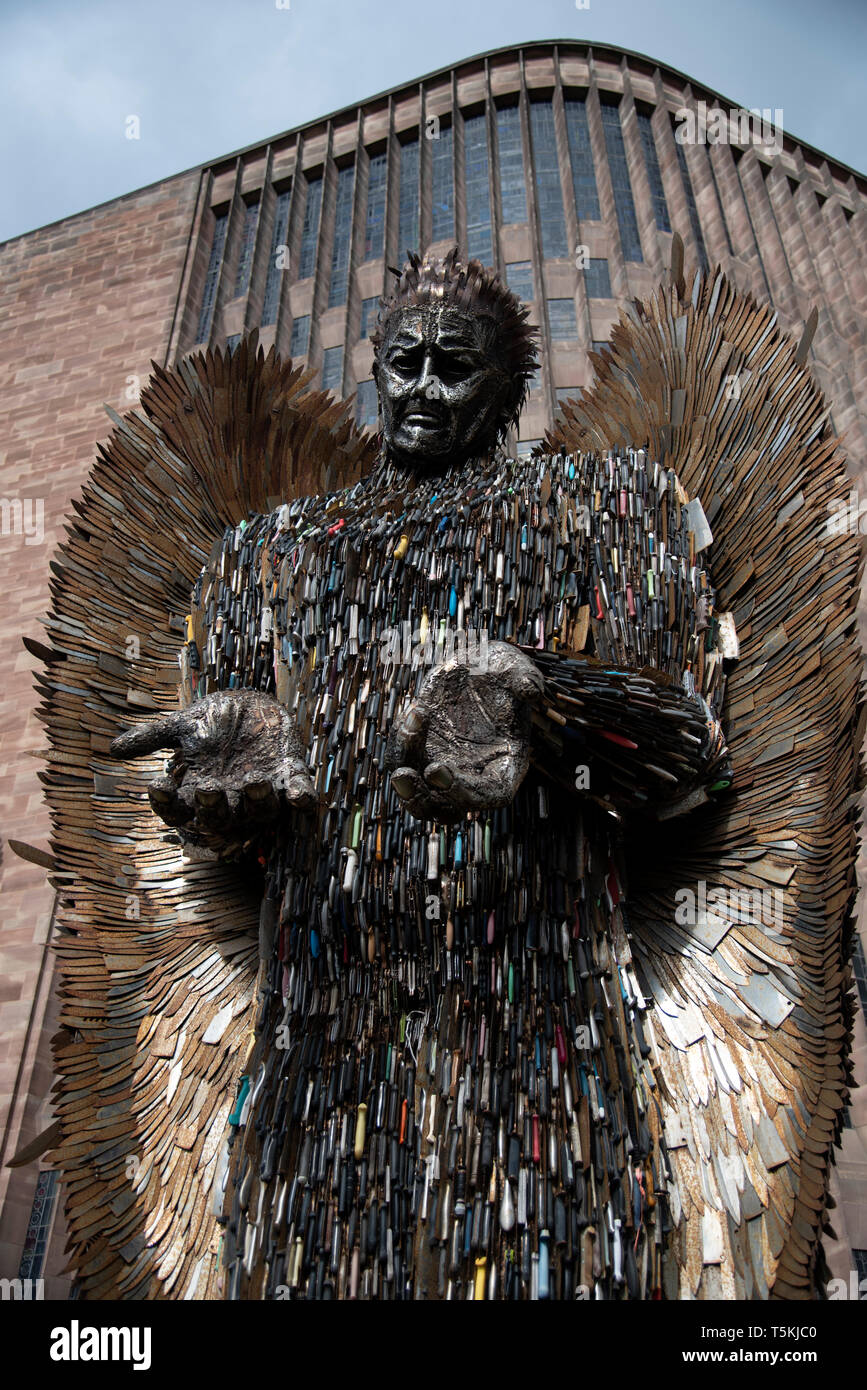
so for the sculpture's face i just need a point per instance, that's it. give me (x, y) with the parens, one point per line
(442, 387)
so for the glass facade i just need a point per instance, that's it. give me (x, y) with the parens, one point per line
(310, 230)
(513, 189)
(366, 404)
(209, 294)
(374, 236)
(568, 393)
(300, 336)
(549, 192)
(248, 241)
(519, 278)
(691, 208)
(369, 312)
(561, 319)
(478, 193)
(654, 176)
(276, 265)
(596, 279)
(443, 190)
(581, 160)
(342, 238)
(514, 143)
(624, 203)
(407, 235)
(332, 369)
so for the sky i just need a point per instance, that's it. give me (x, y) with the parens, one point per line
(205, 77)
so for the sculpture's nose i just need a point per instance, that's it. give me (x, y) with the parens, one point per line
(428, 382)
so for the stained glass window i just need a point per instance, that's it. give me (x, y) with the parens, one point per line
(310, 230)
(248, 241)
(654, 176)
(332, 369)
(519, 278)
(300, 336)
(623, 201)
(549, 193)
(513, 190)
(209, 294)
(342, 237)
(562, 320)
(278, 259)
(478, 193)
(443, 193)
(407, 236)
(366, 404)
(596, 279)
(581, 160)
(375, 229)
(369, 312)
(691, 208)
(39, 1226)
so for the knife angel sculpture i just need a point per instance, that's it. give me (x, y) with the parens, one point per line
(586, 1039)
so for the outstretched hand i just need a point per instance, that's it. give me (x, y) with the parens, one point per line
(238, 764)
(464, 743)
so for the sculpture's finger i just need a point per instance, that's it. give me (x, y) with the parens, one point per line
(167, 802)
(259, 802)
(213, 810)
(164, 732)
(408, 784)
(297, 785)
(439, 775)
(406, 740)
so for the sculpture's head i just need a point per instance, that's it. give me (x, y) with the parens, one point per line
(453, 353)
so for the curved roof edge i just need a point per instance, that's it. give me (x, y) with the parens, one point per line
(585, 45)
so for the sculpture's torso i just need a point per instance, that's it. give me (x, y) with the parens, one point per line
(452, 1092)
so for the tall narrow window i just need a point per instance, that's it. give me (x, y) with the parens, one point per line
(39, 1226)
(549, 193)
(277, 262)
(654, 176)
(332, 369)
(720, 209)
(597, 281)
(232, 343)
(562, 320)
(691, 207)
(407, 234)
(443, 192)
(581, 160)
(342, 237)
(310, 230)
(209, 294)
(248, 241)
(369, 311)
(513, 190)
(300, 336)
(519, 278)
(623, 201)
(478, 193)
(366, 405)
(375, 228)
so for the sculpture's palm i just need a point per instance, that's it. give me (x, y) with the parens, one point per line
(238, 761)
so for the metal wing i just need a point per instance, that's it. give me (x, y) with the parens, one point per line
(749, 976)
(158, 955)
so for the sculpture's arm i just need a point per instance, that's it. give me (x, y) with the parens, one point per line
(632, 738)
(238, 761)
